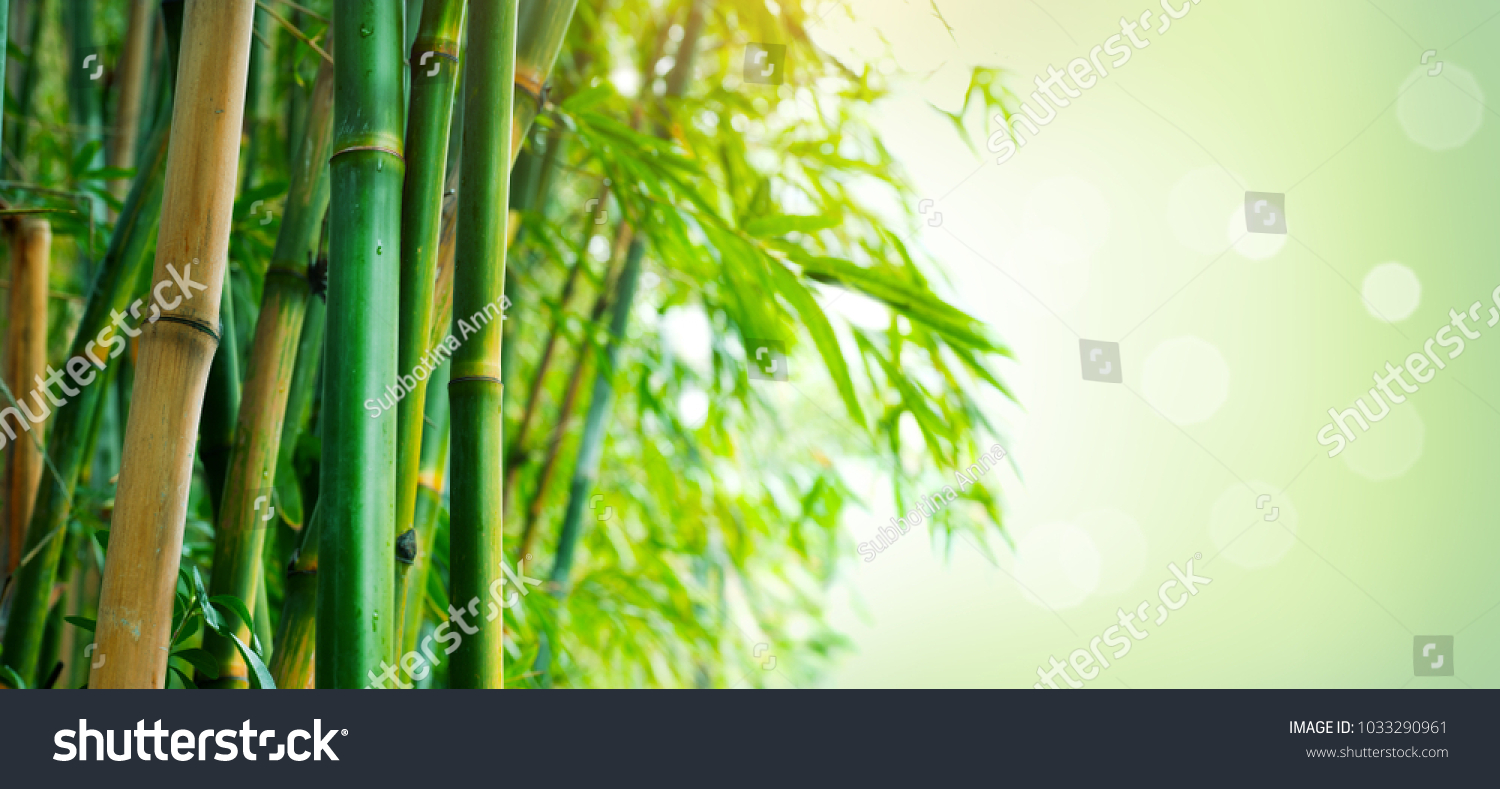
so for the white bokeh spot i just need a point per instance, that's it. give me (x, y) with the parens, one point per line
(1440, 112)
(1391, 291)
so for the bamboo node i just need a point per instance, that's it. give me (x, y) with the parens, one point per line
(196, 324)
(380, 148)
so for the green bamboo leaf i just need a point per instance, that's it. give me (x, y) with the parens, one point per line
(260, 676)
(914, 303)
(780, 224)
(201, 660)
(816, 322)
(187, 632)
(211, 616)
(80, 622)
(587, 98)
(85, 155)
(288, 491)
(11, 678)
(240, 610)
(108, 173)
(187, 682)
(101, 536)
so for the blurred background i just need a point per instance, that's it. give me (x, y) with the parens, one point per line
(1123, 221)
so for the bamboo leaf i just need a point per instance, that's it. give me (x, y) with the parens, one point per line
(260, 676)
(187, 682)
(201, 660)
(187, 631)
(240, 610)
(86, 154)
(823, 338)
(9, 676)
(211, 615)
(80, 622)
(781, 224)
(289, 491)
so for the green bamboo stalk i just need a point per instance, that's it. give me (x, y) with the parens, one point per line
(355, 590)
(434, 76)
(296, 635)
(128, 255)
(85, 102)
(20, 132)
(431, 476)
(474, 391)
(248, 500)
(540, 30)
(591, 445)
(5, 41)
(305, 375)
(221, 405)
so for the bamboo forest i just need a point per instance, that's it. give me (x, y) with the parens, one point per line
(422, 344)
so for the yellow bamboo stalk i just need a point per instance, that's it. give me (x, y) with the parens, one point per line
(131, 76)
(140, 569)
(25, 358)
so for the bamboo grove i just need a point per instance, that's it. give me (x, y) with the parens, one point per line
(413, 343)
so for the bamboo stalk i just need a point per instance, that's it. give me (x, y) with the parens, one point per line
(221, 405)
(357, 493)
(427, 130)
(296, 634)
(541, 27)
(130, 245)
(85, 102)
(301, 390)
(27, 88)
(140, 571)
(476, 522)
(247, 499)
(431, 476)
(258, 86)
(5, 39)
(131, 76)
(25, 357)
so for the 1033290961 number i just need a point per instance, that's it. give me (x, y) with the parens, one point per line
(1403, 727)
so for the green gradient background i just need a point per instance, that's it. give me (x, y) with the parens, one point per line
(1292, 97)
